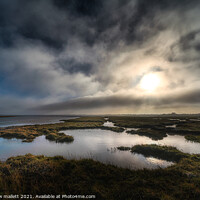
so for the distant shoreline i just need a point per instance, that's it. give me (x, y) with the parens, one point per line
(7, 116)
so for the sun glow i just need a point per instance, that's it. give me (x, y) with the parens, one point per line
(150, 82)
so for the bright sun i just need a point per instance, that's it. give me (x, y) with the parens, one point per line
(150, 82)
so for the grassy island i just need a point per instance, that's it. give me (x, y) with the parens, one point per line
(122, 148)
(157, 127)
(193, 138)
(161, 152)
(51, 131)
(153, 133)
(186, 163)
(114, 129)
(154, 127)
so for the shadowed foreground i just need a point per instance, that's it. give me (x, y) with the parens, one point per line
(31, 174)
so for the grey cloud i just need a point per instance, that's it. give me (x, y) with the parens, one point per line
(125, 101)
(72, 66)
(30, 70)
(10, 104)
(53, 22)
(187, 48)
(156, 69)
(65, 49)
(91, 103)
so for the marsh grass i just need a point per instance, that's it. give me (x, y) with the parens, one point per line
(114, 129)
(153, 133)
(122, 148)
(51, 131)
(161, 152)
(31, 174)
(56, 175)
(193, 138)
(155, 127)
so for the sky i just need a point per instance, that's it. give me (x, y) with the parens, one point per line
(99, 56)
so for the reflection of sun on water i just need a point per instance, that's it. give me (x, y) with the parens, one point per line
(150, 82)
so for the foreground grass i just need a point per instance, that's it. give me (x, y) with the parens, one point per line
(31, 174)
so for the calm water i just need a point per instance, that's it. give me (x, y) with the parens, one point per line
(99, 145)
(109, 124)
(31, 119)
(88, 143)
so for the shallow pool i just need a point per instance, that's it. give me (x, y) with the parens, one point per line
(99, 145)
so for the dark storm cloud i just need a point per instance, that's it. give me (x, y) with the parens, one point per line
(187, 49)
(187, 41)
(80, 8)
(92, 103)
(72, 66)
(120, 101)
(144, 23)
(49, 21)
(53, 22)
(64, 49)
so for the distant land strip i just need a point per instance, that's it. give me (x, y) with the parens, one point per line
(7, 116)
